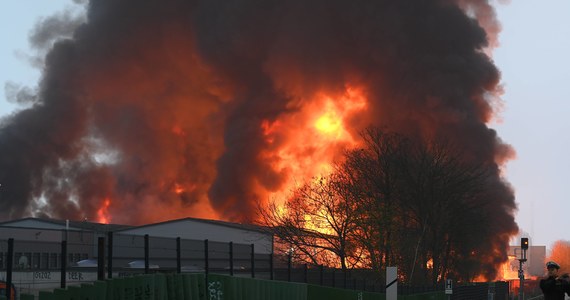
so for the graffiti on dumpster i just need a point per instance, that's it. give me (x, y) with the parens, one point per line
(215, 290)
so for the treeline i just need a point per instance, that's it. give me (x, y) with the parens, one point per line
(425, 207)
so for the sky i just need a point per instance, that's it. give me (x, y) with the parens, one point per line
(533, 57)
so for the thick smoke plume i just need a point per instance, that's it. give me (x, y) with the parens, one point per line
(181, 108)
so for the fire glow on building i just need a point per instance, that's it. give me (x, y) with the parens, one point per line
(157, 110)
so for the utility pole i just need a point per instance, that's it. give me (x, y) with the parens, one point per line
(522, 260)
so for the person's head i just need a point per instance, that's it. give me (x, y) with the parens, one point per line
(552, 268)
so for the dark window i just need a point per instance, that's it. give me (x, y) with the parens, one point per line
(53, 261)
(35, 261)
(44, 261)
(76, 257)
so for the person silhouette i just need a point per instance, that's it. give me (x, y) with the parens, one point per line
(554, 287)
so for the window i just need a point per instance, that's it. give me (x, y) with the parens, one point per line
(53, 261)
(18, 257)
(35, 261)
(44, 261)
(23, 260)
(76, 257)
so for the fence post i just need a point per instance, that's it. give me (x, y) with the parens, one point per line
(271, 266)
(289, 267)
(110, 255)
(178, 256)
(10, 262)
(101, 258)
(252, 261)
(334, 278)
(146, 254)
(63, 263)
(321, 274)
(232, 258)
(206, 260)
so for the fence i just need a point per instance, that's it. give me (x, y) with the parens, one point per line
(214, 287)
(52, 259)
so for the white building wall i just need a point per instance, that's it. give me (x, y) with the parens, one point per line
(34, 223)
(196, 230)
(30, 234)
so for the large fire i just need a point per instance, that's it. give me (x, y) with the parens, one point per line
(207, 108)
(509, 270)
(312, 139)
(103, 213)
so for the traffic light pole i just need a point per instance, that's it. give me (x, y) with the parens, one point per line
(522, 260)
(521, 277)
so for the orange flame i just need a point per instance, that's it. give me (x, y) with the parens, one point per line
(311, 139)
(329, 122)
(308, 143)
(103, 213)
(178, 189)
(509, 270)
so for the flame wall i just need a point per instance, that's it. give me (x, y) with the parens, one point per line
(155, 110)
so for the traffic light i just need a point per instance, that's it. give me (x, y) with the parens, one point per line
(524, 243)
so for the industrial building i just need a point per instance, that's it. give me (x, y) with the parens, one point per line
(37, 241)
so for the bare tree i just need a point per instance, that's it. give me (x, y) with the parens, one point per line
(420, 202)
(318, 222)
(370, 175)
(421, 205)
(445, 196)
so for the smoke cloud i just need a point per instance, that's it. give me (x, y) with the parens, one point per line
(202, 108)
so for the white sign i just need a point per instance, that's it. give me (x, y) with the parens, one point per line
(391, 283)
(449, 287)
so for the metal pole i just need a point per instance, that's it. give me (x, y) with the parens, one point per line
(63, 263)
(521, 273)
(178, 256)
(289, 267)
(232, 258)
(206, 261)
(271, 266)
(101, 258)
(9, 261)
(252, 261)
(146, 254)
(110, 255)
(321, 274)
(521, 277)
(334, 278)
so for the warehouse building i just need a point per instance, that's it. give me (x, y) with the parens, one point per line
(37, 241)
